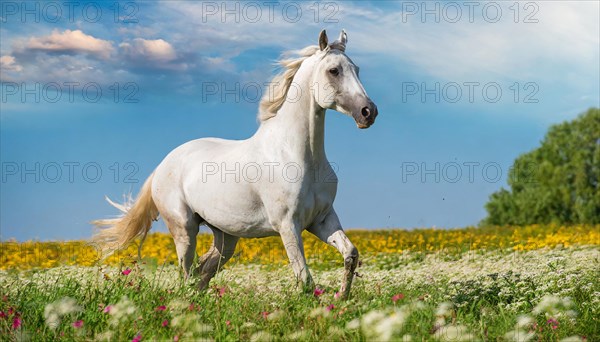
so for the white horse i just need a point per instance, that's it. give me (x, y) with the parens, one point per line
(277, 182)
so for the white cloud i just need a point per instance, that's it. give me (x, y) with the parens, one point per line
(229, 36)
(565, 35)
(157, 50)
(7, 63)
(70, 42)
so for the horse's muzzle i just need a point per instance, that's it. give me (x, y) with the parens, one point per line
(366, 116)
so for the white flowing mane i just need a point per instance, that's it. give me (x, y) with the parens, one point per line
(275, 95)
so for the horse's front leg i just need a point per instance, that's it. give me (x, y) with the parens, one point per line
(292, 241)
(330, 231)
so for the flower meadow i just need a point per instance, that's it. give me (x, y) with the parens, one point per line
(533, 283)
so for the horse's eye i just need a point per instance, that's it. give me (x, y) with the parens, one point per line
(334, 71)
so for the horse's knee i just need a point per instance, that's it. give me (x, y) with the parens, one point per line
(354, 252)
(351, 259)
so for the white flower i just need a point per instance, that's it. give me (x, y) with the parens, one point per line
(248, 325)
(382, 325)
(519, 336)
(319, 312)
(444, 309)
(524, 321)
(275, 315)
(371, 317)
(453, 333)
(122, 311)
(300, 335)
(261, 336)
(178, 305)
(554, 306)
(54, 312)
(191, 324)
(353, 324)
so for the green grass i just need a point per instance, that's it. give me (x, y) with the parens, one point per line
(487, 292)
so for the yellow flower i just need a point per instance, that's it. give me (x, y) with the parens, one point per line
(160, 248)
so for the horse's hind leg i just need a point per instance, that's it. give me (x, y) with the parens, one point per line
(219, 253)
(184, 229)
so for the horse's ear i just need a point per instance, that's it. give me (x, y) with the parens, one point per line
(343, 37)
(323, 41)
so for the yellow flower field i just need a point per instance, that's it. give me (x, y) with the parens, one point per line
(159, 247)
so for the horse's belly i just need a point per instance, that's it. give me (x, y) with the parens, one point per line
(257, 232)
(232, 208)
(246, 224)
(239, 210)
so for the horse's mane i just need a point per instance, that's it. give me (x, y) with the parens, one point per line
(275, 95)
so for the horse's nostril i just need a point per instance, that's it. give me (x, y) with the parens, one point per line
(365, 112)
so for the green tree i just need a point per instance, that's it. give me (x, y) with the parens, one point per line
(556, 183)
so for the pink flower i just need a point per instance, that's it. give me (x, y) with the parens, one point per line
(318, 292)
(165, 323)
(553, 323)
(330, 307)
(138, 338)
(161, 308)
(107, 309)
(397, 297)
(126, 271)
(337, 295)
(222, 291)
(228, 323)
(3, 315)
(175, 338)
(77, 324)
(265, 314)
(16, 323)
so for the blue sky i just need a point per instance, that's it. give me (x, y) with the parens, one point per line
(426, 162)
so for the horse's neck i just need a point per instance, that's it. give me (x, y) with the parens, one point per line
(301, 122)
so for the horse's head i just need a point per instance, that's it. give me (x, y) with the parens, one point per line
(336, 84)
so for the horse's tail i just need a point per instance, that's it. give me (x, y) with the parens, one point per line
(136, 220)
